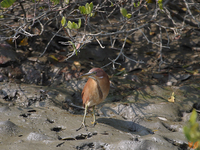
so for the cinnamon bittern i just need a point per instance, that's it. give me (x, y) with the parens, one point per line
(95, 91)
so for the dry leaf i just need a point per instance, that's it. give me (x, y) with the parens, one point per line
(121, 69)
(127, 41)
(184, 9)
(24, 42)
(152, 33)
(195, 72)
(177, 37)
(190, 144)
(78, 45)
(76, 63)
(150, 53)
(195, 146)
(53, 57)
(150, 1)
(172, 98)
(10, 41)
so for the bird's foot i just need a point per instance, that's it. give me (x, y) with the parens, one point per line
(82, 125)
(94, 123)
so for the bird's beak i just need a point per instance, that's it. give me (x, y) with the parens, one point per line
(89, 74)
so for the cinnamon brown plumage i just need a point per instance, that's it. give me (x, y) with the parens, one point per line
(95, 90)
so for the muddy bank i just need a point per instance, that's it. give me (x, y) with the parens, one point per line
(41, 117)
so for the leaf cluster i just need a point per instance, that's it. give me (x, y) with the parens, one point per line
(192, 131)
(7, 3)
(124, 13)
(87, 9)
(71, 25)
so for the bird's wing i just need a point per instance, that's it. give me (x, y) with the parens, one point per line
(99, 91)
(87, 90)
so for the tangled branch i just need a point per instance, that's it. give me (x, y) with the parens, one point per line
(107, 21)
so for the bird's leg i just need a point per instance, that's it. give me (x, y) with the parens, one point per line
(94, 117)
(83, 123)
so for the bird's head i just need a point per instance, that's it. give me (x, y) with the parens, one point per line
(95, 73)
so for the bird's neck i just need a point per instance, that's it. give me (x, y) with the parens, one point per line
(99, 88)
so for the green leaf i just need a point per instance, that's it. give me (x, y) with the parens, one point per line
(55, 2)
(63, 21)
(74, 25)
(69, 24)
(87, 9)
(91, 6)
(74, 47)
(150, 1)
(138, 4)
(186, 131)
(82, 9)
(160, 4)
(7, 3)
(92, 14)
(79, 23)
(128, 16)
(123, 11)
(86, 5)
(192, 131)
(111, 4)
(193, 117)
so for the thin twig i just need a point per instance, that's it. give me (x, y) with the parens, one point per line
(49, 42)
